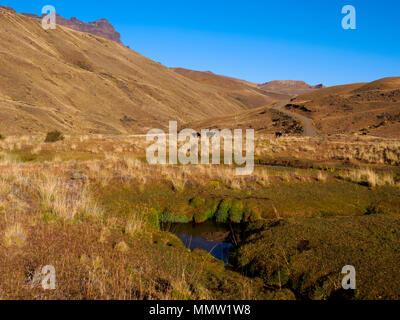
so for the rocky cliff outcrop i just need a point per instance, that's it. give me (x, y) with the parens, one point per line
(102, 28)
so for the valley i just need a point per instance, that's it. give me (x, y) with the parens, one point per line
(77, 191)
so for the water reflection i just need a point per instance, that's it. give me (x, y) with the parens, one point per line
(215, 238)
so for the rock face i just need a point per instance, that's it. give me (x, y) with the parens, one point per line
(102, 28)
(7, 8)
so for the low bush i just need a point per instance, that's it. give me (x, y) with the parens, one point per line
(236, 211)
(222, 213)
(54, 136)
(207, 211)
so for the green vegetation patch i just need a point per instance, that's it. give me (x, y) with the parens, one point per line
(236, 212)
(222, 214)
(252, 211)
(179, 212)
(205, 210)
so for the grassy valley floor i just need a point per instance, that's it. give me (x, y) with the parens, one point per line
(92, 207)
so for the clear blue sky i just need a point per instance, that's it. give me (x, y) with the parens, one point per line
(256, 40)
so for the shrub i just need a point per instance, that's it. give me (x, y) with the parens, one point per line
(252, 211)
(177, 213)
(236, 211)
(54, 136)
(1, 137)
(222, 213)
(197, 202)
(374, 208)
(152, 217)
(207, 211)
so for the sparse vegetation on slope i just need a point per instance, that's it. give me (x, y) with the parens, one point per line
(87, 84)
(363, 109)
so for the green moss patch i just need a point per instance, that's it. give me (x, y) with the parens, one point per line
(222, 214)
(205, 210)
(236, 212)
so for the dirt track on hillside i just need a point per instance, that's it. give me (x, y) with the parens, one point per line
(308, 124)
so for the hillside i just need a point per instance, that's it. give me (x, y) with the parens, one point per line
(251, 94)
(77, 82)
(264, 120)
(363, 108)
(243, 91)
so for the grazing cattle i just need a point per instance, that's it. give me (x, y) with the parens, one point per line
(278, 134)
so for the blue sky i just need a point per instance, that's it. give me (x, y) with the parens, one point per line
(254, 40)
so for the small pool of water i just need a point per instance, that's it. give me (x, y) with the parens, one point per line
(215, 238)
(275, 165)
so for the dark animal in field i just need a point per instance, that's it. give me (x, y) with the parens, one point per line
(278, 134)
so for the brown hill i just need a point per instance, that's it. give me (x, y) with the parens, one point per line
(364, 108)
(77, 82)
(250, 93)
(289, 87)
(246, 93)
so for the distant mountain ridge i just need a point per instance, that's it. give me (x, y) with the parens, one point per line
(102, 27)
(279, 89)
(246, 93)
(291, 87)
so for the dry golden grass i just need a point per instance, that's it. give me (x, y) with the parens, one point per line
(321, 176)
(14, 235)
(135, 225)
(368, 176)
(65, 200)
(128, 166)
(341, 148)
(5, 187)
